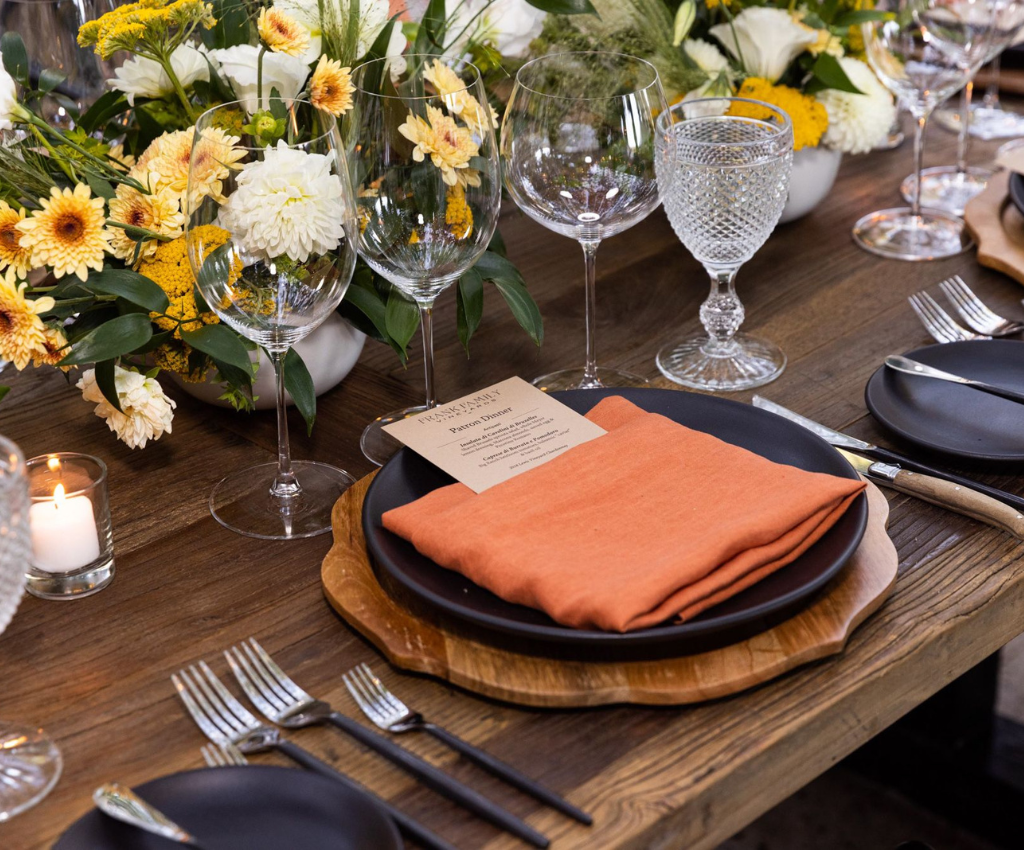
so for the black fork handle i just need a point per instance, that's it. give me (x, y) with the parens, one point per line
(406, 824)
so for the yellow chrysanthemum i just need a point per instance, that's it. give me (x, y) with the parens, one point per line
(22, 332)
(330, 87)
(14, 257)
(159, 212)
(67, 234)
(809, 117)
(453, 90)
(215, 154)
(457, 214)
(281, 32)
(449, 146)
(53, 350)
(119, 159)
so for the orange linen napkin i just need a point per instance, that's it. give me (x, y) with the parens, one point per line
(650, 521)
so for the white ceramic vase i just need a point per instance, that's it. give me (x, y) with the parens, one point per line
(329, 353)
(814, 172)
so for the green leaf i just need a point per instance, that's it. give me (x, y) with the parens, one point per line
(401, 317)
(105, 381)
(220, 343)
(299, 384)
(111, 339)
(564, 7)
(129, 285)
(15, 57)
(369, 303)
(3, 392)
(49, 79)
(240, 378)
(523, 307)
(232, 27)
(469, 303)
(86, 321)
(429, 36)
(107, 106)
(829, 74)
(100, 187)
(378, 50)
(859, 16)
(497, 244)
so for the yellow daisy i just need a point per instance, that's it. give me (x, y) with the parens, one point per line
(53, 350)
(282, 33)
(455, 93)
(22, 332)
(159, 212)
(67, 234)
(330, 88)
(449, 146)
(13, 256)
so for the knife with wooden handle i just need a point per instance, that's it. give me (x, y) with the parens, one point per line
(945, 494)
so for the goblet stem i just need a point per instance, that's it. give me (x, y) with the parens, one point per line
(286, 487)
(964, 142)
(991, 98)
(590, 378)
(920, 120)
(722, 313)
(427, 329)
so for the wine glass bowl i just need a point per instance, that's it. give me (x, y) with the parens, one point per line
(270, 231)
(577, 145)
(723, 169)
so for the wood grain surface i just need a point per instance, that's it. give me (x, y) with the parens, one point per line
(998, 227)
(95, 672)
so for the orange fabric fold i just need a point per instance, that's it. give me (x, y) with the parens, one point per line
(649, 522)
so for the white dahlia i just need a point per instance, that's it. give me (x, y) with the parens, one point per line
(857, 123)
(145, 414)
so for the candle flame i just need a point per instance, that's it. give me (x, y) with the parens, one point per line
(53, 464)
(58, 496)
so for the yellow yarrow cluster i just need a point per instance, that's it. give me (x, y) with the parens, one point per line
(145, 23)
(457, 214)
(809, 117)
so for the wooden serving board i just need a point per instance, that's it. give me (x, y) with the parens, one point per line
(998, 228)
(412, 643)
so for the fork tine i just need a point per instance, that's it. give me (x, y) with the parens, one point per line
(967, 305)
(381, 689)
(233, 710)
(212, 755)
(982, 308)
(283, 679)
(942, 318)
(372, 692)
(270, 682)
(266, 703)
(937, 333)
(234, 755)
(363, 700)
(215, 731)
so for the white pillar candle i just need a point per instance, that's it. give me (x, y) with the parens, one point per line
(64, 535)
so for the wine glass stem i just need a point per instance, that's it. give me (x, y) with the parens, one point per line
(964, 142)
(286, 485)
(427, 329)
(991, 98)
(590, 260)
(920, 120)
(722, 313)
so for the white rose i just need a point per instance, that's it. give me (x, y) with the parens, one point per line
(764, 40)
(145, 414)
(8, 99)
(509, 25)
(280, 71)
(146, 78)
(857, 123)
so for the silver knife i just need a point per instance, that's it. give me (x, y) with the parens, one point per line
(913, 367)
(945, 494)
(844, 441)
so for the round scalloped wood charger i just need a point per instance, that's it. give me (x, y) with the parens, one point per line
(998, 228)
(413, 643)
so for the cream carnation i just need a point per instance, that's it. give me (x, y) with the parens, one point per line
(857, 123)
(142, 77)
(764, 40)
(145, 414)
(287, 204)
(280, 71)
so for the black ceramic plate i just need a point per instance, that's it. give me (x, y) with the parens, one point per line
(1017, 191)
(247, 808)
(407, 476)
(950, 418)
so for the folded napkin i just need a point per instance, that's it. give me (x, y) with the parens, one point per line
(651, 521)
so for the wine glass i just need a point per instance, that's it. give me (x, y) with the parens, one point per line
(269, 231)
(577, 145)
(923, 52)
(990, 120)
(30, 763)
(723, 171)
(427, 178)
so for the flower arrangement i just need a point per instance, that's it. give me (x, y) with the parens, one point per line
(93, 255)
(805, 58)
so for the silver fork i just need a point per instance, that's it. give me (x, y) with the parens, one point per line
(225, 755)
(941, 326)
(391, 714)
(281, 701)
(974, 311)
(224, 720)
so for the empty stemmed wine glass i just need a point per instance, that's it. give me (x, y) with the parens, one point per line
(426, 171)
(723, 172)
(269, 234)
(577, 144)
(30, 763)
(923, 52)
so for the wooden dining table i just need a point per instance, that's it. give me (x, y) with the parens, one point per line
(95, 672)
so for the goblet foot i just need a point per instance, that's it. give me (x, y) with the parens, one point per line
(988, 123)
(944, 188)
(30, 765)
(378, 446)
(743, 363)
(898, 235)
(243, 502)
(578, 379)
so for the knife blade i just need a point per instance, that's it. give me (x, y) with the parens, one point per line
(844, 441)
(945, 494)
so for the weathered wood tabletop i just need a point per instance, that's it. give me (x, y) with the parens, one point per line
(95, 672)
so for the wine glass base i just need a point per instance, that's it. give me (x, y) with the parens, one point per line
(242, 502)
(742, 364)
(945, 188)
(988, 123)
(378, 446)
(30, 765)
(578, 379)
(898, 235)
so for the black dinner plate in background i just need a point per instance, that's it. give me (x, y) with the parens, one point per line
(404, 571)
(950, 418)
(247, 808)
(1017, 191)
